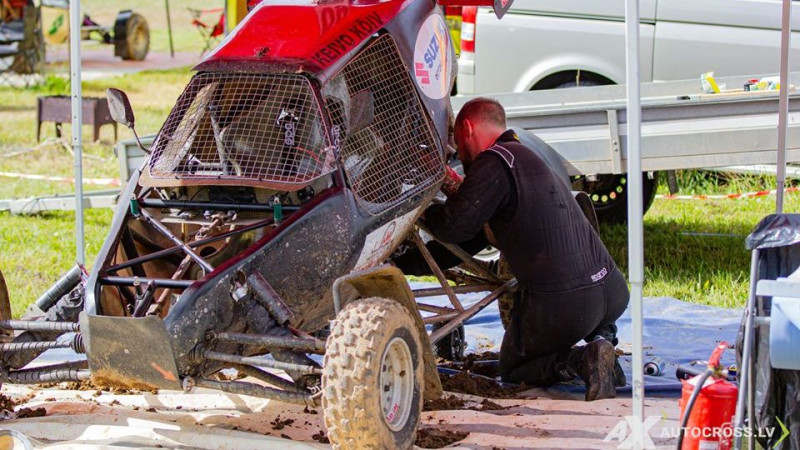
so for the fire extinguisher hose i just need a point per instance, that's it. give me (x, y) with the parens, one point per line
(697, 388)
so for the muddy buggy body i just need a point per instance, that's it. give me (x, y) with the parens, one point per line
(255, 235)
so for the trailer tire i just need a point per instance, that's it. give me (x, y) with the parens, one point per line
(136, 43)
(372, 376)
(609, 195)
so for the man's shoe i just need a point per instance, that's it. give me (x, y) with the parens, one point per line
(594, 363)
(619, 374)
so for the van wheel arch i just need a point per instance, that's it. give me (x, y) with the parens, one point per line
(571, 78)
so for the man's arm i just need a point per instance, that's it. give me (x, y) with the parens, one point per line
(486, 190)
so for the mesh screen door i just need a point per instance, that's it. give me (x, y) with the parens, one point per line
(248, 127)
(388, 148)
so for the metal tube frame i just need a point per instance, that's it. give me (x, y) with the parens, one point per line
(467, 314)
(176, 249)
(315, 346)
(436, 270)
(161, 228)
(260, 362)
(244, 388)
(463, 289)
(31, 325)
(75, 19)
(136, 281)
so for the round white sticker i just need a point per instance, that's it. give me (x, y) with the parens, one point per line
(431, 58)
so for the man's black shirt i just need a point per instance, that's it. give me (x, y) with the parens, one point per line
(538, 225)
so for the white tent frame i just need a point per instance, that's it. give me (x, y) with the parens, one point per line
(635, 209)
(76, 93)
(635, 213)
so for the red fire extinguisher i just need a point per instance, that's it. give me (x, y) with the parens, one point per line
(708, 403)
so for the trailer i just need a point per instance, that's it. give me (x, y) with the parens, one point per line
(682, 128)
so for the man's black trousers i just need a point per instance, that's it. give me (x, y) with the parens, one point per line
(544, 326)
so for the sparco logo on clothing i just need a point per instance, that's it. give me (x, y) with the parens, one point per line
(599, 275)
(431, 58)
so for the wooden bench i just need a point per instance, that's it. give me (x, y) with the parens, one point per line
(58, 109)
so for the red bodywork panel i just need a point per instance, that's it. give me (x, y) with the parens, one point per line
(306, 34)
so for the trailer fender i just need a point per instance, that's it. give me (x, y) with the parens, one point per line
(388, 282)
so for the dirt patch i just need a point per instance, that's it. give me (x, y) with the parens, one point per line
(321, 437)
(484, 387)
(436, 438)
(25, 413)
(107, 385)
(445, 403)
(6, 403)
(476, 363)
(279, 424)
(488, 405)
(120, 384)
(452, 402)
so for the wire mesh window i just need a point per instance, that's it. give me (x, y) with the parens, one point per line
(250, 127)
(388, 148)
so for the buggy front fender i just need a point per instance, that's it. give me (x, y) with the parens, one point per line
(388, 282)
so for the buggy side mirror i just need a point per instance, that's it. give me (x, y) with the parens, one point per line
(362, 111)
(120, 107)
(121, 111)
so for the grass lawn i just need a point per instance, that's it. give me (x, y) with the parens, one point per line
(694, 249)
(34, 251)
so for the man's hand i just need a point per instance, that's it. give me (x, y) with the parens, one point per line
(452, 181)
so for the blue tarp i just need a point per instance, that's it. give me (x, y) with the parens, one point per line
(677, 332)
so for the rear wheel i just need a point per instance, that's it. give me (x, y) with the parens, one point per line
(372, 377)
(609, 195)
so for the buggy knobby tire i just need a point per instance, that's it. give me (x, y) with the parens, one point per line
(452, 346)
(372, 377)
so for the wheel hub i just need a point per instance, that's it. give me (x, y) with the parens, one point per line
(396, 384)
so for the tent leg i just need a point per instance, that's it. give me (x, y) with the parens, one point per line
(747, 353)
(783, 102)
(77, 122)
(635, 211)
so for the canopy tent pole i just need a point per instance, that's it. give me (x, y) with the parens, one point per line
(75, 21)
(783, 102)
(745, 402)
(635, 209)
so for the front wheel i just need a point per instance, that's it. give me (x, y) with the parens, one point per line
(609, 195)
(372, 377)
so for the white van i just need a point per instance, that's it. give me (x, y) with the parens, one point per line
(545, 44)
